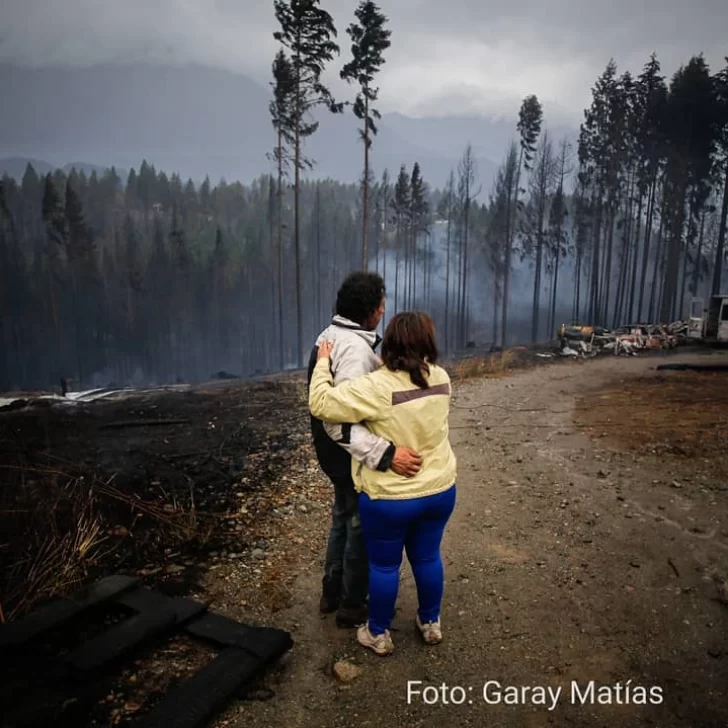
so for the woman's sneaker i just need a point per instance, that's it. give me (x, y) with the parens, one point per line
(430, 631)
(381, 644)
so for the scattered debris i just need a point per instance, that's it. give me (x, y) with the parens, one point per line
(579, 341)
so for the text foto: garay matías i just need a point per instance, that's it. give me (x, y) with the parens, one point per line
(493, 692)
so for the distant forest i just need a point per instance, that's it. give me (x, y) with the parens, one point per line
(154, 279)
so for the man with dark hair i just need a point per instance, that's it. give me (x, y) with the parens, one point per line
(359, 310)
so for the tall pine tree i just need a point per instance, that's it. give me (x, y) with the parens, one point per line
(307, 32)
(369, 40)
(281, 111)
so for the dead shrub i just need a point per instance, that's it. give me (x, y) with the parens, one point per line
(51, 534)
(58, 526)
(495, 365)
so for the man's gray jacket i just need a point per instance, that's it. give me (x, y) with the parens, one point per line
(352, 356)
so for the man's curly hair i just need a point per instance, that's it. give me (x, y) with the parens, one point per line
(359, 296)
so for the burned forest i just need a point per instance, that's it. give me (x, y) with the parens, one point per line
(151, 279)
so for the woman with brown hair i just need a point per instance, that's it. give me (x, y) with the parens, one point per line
(405, 400)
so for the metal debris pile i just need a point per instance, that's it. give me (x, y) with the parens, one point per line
(579, 341)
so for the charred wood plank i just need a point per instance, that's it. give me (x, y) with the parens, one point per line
(147, 600)
(58, 612)
(120, 424)
(162, 617)
(194, 701)
(260, 641)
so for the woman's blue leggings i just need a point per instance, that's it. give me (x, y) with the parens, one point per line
(417, 525)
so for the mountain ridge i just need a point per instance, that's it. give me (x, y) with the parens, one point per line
(199, 122)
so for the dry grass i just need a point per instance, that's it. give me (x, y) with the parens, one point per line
(301, 393)
(58, 525)
(56, 533)
(493, 366)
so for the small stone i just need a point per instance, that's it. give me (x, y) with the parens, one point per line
(258, 554)
(345, 672)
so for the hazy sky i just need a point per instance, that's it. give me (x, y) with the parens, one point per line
(447, 56)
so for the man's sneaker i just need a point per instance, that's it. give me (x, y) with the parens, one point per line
(430, 631)
(381, 644)
(351, 616)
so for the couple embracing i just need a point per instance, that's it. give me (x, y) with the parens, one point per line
(380, 429)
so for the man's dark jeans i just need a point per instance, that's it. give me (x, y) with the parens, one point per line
(346, 573)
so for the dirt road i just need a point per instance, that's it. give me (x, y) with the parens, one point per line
(581, 555)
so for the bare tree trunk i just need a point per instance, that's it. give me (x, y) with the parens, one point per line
(317, 284)
(396, 266)
(536, 288)
(510, 235)
(674, 248)
(655, 302)
(384, 268)
(577, 287)
(552, 325)
(647, 244)
(607, 280)
(496, 302)
(281, 351)
(684, 277)
(698, 256)
(718, 264)
(594, 312)
(365, 205)
(378, 236)
(297, 228)
(466, 225)
(635, 257)
(447, 282)
(622, 280)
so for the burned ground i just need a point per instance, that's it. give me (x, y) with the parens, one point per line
(149, 483)
(590, 540)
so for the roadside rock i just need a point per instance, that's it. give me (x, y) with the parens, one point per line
(345, 672)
